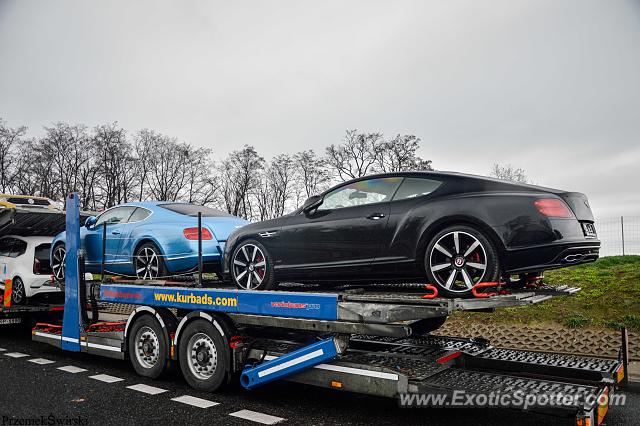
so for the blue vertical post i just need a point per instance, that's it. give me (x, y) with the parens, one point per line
(72, 321)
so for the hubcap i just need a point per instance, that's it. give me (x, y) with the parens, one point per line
(148, 347)
(203, 357)
(458, 261)
(249, 266)
(59, 263)
(17, 290)
(147, 263)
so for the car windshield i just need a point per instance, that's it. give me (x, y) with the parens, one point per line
(192, 210)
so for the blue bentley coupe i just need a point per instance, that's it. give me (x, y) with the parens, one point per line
(150, 240)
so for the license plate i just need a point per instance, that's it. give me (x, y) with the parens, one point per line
(7, 321)
(589, 229)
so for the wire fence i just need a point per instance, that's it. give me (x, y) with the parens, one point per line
(619, 235)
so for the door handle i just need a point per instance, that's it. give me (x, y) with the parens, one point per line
(375, 216)
(115, 232)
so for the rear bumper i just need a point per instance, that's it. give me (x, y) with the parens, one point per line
(551, 256)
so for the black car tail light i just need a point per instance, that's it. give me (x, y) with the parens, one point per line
(553, 207)
(192, 234)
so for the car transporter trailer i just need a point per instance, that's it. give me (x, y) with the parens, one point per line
(369, 341)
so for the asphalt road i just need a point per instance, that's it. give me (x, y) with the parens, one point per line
(30, 390)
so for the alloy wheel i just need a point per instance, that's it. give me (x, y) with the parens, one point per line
(59, 265)
(458, 261)
(17, 291)
(147, 264)
(249, 266)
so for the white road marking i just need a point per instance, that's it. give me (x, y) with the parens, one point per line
(41, 361)
(72, 369)
(254, 416)
(16, 354)
(151, 390)
(2, 349)
(196, 402)
(106, 378)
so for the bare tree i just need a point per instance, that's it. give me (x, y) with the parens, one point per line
(509, 172)
(117, 171)
(356, 156)
(313, 175)
(10, 141)
(240, 173)
(399, 155)
(144, 142)
(280, 175)
(167, 171)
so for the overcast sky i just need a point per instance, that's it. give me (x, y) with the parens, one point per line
(552, 86)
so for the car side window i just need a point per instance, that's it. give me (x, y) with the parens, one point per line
(5, 246)
(416, 187)
(139, 214)
(18, 249)
(360, 193)
(115, 215)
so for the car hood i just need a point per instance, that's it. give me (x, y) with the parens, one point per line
(223, 226)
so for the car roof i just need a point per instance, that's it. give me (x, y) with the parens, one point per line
(456, 175)
(31, 238)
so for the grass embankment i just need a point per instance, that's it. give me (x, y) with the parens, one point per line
(610, 298)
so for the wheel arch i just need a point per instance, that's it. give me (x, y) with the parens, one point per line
(448, 221)
(165, 318)
(221, 322)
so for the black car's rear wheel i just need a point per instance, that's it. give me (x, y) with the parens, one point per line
(252, 267)
(459, 257)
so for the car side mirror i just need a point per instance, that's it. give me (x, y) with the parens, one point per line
(312, 203)
(91, 220)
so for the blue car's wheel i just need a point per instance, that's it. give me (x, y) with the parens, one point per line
(58, 264)
(149, 263)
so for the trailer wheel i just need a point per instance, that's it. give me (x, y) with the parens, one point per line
(147, 347)
(203, 356)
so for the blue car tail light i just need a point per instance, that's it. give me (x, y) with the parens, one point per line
(192, 233)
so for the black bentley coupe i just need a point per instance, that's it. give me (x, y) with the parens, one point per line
(449, 229)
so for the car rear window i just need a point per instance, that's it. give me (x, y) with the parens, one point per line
(192, 210)
(42, 255)
(416, 187)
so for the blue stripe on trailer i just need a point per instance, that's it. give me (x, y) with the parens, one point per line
(271, 303)
(289, 364)
(72, 320)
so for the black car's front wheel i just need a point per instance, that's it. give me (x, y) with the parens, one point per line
(459, 257)
(251, 267)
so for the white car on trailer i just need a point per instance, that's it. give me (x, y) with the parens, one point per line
(25, 262)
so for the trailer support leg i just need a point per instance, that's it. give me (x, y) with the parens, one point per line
(294, 362)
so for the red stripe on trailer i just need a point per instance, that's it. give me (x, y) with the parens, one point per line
(448, 358)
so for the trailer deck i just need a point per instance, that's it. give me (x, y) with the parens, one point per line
(370, 341)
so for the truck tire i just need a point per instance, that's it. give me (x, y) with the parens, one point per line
(203, 356)
(147, 347)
